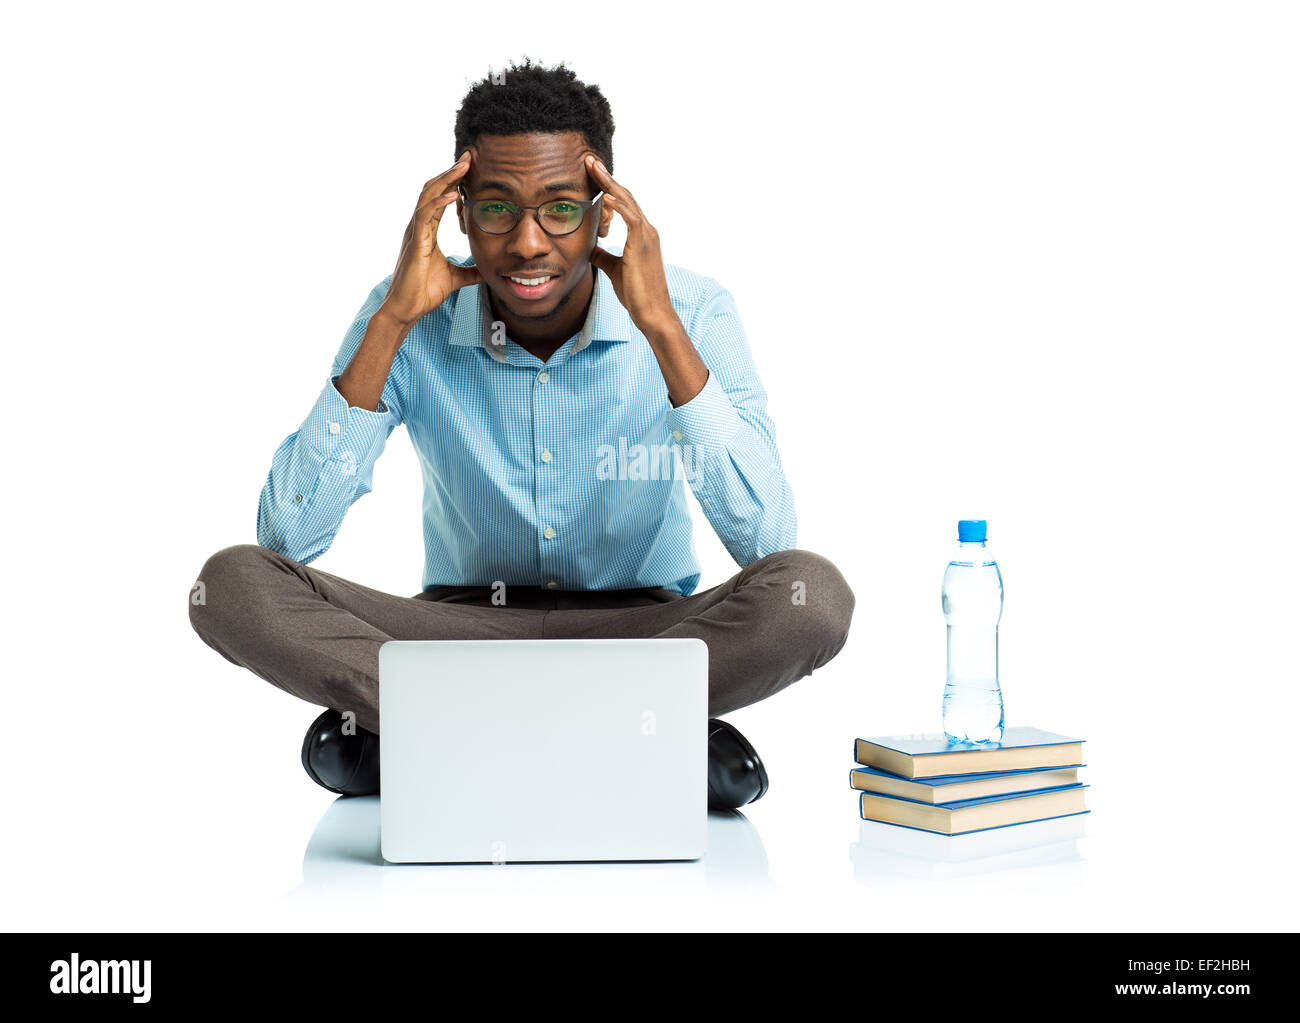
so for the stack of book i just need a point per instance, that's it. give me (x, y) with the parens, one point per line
(928, 783)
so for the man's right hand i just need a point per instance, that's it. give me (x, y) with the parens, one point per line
(424, 276)
(422, 281)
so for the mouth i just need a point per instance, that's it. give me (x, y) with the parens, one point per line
(535, 285)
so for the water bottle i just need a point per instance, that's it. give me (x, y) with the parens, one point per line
(972, 607)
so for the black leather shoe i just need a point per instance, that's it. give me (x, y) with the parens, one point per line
(736, 775)
(346, 764)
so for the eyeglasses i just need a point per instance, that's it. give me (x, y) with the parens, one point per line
(557, 217)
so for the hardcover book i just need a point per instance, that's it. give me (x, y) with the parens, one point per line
(949, 788)
(970, 815)
(932, 755)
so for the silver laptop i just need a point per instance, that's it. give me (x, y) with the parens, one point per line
(516, 751)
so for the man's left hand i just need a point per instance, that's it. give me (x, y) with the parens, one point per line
(638, 274)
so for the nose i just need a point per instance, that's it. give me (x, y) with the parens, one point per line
(528, 240)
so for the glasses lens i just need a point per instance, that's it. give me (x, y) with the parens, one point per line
(495, 216)
(560, 216)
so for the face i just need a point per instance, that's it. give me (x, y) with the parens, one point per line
(529, 170)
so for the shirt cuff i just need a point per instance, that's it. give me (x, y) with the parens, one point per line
(341, 436)
(707, 420)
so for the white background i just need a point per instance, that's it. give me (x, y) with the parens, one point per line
(1053, 247)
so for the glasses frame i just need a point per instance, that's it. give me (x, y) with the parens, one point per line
(586, 204)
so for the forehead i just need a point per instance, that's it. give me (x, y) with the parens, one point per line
(527, 163)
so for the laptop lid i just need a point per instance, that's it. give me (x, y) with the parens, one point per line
(505, 751)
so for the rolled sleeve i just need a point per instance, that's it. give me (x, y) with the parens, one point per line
(727, 441)
(707, 420)
(328, 462)
(341, 439)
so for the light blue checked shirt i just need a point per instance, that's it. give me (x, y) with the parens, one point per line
(569, 474)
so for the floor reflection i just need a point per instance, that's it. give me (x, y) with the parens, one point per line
(343, 860)
(884, 852)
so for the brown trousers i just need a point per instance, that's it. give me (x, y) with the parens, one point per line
(317, 636)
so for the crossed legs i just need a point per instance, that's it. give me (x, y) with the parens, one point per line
(317, 635)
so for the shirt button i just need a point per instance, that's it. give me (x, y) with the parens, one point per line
(677, 435)
(552, 585)
(297, 498)
(334, 427)
(543, 376)
(546, 455)
(549, 533)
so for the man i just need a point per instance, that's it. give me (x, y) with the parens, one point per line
(561, 399)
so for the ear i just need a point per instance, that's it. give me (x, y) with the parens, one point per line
(606, 216)
(460, 216)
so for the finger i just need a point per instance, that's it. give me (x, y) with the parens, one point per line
(631, 217)
(607, 182)
(603, 260)
(464, 276)
(431, 211)
(424, 224)
(453, 174)
(435, 186)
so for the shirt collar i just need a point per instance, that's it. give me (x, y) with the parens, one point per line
(607, 320)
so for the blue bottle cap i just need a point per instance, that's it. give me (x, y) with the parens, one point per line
(972, 530)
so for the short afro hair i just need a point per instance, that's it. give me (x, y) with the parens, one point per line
(528, 97)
